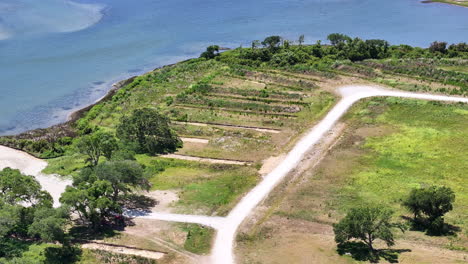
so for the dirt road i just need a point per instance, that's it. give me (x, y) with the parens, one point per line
(222, 252)
(223, 247)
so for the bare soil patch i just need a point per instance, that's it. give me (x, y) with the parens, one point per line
(209, 160)
(124, 250)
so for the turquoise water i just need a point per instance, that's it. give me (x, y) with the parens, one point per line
(58, 55)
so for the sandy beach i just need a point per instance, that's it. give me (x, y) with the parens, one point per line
(30, 165)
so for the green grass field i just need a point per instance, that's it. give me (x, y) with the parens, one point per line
(429, 146)
(199, 238)
(207, 187)
(391, 146)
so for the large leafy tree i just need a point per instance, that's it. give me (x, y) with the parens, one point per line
(49, 224)
(211, 52)
(95, 194)
(366, 223)
(271, 42)
(430, 204)
(301, 40)
(92, 202)
(26, 210)
(123, 175)
(149, 131)
(337, 39)
(9, 217)
(16, 188)
(96, 145)
(438, 46)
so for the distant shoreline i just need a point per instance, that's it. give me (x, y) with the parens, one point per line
(450, 2)
(77, 114)
(65, 128)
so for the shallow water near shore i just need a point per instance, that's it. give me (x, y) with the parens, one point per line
(57, 55)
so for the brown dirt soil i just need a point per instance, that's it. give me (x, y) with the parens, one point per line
(270, 164)
(124, 250)
(157, 235)
(208, 160)
(145, 236)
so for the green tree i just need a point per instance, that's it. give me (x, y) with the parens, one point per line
(149, 131)
(438, 46)
(49, 224)
(433, 202)
(123, 176)
(26, 211)
(96, 145)
(255, 44)
(271, 42)
(301, 40)
(92, 201)
(95, 194)
(337, 38)
(123, 154)
(357, 50)
(16, 188)
(211, 52)
(9, 218)
(367, 224)
(377, 48)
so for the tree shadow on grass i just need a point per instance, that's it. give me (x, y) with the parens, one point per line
(137, 205)
(79, 233)
(10, 247)
(64, 254)
(139, 202)
(423, 225)
(361, 252)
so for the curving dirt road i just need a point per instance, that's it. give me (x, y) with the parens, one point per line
(227, 226)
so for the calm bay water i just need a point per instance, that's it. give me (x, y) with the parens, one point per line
(58, 55)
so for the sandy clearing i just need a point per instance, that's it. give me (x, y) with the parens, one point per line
(195, 140)
(270, 163)
(30, 165)
(124, 250)
(164, 200)
(209, 160)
